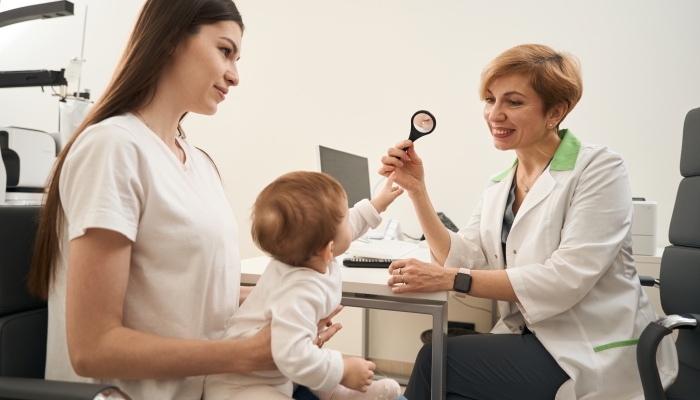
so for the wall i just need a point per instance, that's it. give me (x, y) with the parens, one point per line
(348, 75)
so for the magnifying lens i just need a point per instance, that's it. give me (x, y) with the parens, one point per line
(422, 124)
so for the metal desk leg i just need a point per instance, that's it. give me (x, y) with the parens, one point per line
(365, 333)
(437, 309)
(439, 364)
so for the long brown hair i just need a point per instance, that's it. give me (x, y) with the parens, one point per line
(160, 27)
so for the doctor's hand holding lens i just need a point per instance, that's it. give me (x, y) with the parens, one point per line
(550, 240)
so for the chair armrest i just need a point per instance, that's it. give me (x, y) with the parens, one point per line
(648, 345)
(38, 389)
(649, 281)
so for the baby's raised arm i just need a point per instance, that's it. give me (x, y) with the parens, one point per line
(362, 217)
(387, 195)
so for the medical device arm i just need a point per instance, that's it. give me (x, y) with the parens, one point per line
(46, 10)
(42, 77)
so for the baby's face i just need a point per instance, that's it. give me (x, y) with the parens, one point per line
(342, 239)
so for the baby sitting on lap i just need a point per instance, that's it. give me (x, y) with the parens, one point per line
(302, 221)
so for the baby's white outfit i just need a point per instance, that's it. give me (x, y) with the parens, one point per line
(292, 300)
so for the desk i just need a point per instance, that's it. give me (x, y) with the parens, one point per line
(367, 288)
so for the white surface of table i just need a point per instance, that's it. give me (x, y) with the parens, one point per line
(355, 280)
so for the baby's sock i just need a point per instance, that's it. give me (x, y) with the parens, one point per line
(383, 389)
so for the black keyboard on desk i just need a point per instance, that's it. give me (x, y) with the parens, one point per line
(361, 262)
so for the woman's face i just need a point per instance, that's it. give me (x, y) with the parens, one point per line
(513, 112)
(203, 66)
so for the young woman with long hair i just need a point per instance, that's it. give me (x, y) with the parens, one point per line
(137, 249)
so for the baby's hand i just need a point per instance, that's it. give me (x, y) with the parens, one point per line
(358, 374)
(387, 196)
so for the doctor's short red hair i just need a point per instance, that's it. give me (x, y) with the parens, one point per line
(556, 77)
(297, 215)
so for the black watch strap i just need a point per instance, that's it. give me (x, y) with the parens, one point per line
(463, 282)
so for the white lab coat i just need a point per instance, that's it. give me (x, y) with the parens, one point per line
(569, 259)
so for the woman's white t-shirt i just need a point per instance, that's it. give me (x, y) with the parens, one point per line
(185, 269)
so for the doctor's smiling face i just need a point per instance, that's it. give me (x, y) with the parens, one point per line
(203, 66)
(515, 114)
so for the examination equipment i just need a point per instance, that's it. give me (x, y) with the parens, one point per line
(54, 9)
(28, 154)
(44, 77)
(422, 123)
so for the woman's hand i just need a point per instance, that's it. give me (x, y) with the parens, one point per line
(407, 166)
(387, 196)
(411, 275)
(261, 345)
(331, 328)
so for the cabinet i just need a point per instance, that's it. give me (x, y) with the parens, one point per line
(650, 265)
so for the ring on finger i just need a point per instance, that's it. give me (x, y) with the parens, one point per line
(400, 271)
(320, 341)
(403, 281)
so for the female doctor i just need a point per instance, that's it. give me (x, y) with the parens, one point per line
(550, 240)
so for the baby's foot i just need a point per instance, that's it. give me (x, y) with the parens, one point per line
(383, 389)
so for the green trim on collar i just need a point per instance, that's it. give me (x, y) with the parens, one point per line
(499, 177)
(567, 153)
(564, 158)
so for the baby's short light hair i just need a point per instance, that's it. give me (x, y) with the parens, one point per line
(297, 215)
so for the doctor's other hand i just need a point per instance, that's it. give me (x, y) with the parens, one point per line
(388, 194)
(411, 275)
(358, 373)
(406, 165)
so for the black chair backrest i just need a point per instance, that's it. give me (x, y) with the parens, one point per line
(680, 265)
(23, 318)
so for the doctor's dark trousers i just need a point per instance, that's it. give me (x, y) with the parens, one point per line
(491, 366)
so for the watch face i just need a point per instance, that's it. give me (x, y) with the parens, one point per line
(463, 283)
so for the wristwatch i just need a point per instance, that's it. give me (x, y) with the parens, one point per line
(463, 282)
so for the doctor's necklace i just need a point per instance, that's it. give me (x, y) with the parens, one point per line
(528, 186)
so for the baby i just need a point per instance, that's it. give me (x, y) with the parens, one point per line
(302, 221)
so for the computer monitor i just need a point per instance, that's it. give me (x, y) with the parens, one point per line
(350, 170)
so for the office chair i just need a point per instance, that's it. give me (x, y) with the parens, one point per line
(23, 320)
(680, 274)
